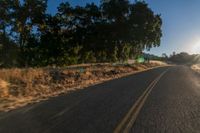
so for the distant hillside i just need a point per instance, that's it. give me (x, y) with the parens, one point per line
(185, 58)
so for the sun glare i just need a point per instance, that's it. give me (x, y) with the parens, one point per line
(196, 48)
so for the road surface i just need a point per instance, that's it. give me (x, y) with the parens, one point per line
(162, 100)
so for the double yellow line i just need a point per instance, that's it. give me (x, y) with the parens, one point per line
(129, 119)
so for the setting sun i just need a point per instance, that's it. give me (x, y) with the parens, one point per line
(196, 47)
(99, 66)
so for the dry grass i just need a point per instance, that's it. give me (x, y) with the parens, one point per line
(21, 86)
(196, 67)
(4, 88)
(157, 62)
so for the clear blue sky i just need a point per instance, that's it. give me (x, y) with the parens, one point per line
(181, 23)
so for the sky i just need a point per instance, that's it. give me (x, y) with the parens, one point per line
(181, 23)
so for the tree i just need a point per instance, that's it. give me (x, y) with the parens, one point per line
(28, 16)
(8, 49)
(132, 24)
(181, 58)
(5, 17)
(116, 30)
(145, 27)
(164, 56)
(8, 52)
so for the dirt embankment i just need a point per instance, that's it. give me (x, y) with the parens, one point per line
(19, 87)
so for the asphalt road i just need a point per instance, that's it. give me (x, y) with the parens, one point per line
(163, 100)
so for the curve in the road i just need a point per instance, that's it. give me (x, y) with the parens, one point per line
(129, 119)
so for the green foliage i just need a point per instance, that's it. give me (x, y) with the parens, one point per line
(9, 52)
(88, 57)
(116, 30)
(184, 58)
(101, 56)
(113, 55)
(124, 52)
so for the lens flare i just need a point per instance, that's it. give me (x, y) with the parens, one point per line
(196, 48)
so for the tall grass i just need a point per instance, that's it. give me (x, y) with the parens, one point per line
(37, 83)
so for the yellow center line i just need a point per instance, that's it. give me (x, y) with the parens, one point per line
(129, 119)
